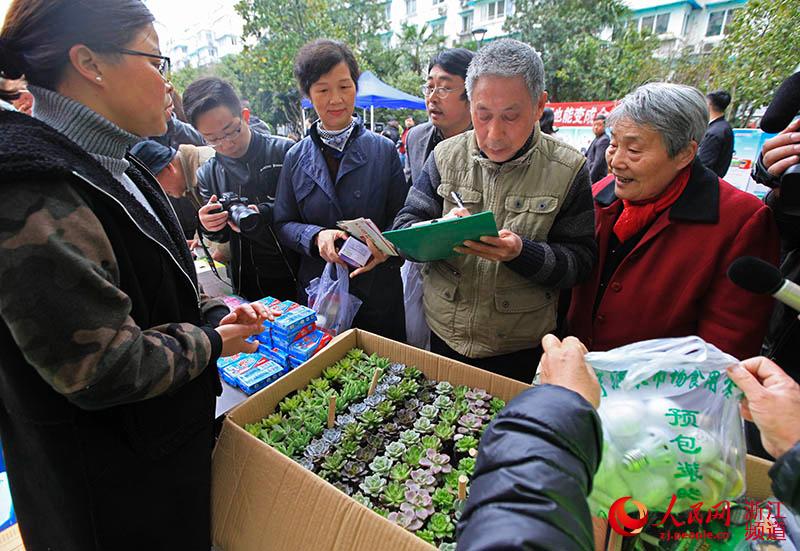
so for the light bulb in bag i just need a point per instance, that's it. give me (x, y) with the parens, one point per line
(608, 486)
(660, 410)
(653, 490)
(706, 446)
(621, 419)
(652, 451)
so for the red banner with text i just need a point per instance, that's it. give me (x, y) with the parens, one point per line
(580, 113)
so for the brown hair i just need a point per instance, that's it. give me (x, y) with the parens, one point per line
(319, 57)
(38, 34)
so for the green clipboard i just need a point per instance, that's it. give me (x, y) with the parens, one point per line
(435, 240)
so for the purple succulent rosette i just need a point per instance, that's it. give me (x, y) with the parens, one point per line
(406, 518)
(420, 502)
(436, 462)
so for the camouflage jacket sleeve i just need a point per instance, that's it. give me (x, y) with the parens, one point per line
(60, 298)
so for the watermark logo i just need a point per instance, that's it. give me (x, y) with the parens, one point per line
(621, 522)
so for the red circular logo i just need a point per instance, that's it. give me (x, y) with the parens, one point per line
(621, 522)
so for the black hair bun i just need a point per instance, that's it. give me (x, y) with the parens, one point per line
(10, 61)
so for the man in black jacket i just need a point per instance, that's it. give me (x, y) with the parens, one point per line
(596, 154)
(248, 165)
(716, 148)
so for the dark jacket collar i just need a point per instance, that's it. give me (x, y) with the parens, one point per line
(32, 150)
(699, 202)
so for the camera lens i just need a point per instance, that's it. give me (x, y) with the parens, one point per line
(247, 220)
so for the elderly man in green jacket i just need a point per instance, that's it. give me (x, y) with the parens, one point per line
(490, 305)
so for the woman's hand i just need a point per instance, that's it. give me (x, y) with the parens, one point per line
(378, 257)
(212, 217)
(234, 335)
(326, 243)
(254, 312)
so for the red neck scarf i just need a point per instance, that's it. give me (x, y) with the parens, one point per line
(638, 215)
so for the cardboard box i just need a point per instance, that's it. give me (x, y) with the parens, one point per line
(261, 499)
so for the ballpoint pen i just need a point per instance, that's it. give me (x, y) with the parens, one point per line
(457, 198)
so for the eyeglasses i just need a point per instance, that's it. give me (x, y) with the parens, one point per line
(440, 91)
(163, 67)
(229, 137)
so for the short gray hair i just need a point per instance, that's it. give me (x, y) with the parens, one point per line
(678, 112)
(508, 58)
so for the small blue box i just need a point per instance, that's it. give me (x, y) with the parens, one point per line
(292, 321)
(259, 377)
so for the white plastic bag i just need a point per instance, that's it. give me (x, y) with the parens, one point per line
(417, 331)
(671, 426)
(329, 296)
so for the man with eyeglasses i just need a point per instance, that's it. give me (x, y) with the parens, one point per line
(447, 105)
(247, 164)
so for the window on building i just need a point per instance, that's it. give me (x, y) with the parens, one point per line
(437, 29)
(495, 10)
(411, 7)
(729, 14)
(466, 23)
(715, 21)
(662, 23)
(647, 23)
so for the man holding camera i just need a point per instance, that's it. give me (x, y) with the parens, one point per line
(239, 186)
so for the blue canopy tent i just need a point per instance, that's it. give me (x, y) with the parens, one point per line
(372, 93)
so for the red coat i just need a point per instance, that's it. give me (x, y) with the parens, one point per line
(674, 282)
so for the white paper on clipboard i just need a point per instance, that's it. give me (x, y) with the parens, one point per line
(363, 228)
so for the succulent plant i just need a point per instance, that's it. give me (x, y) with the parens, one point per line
(370, 419)
(412, 373)
(332, 372)
(467, 465)
(425, 395)
(353, 432)
(409, 386)
(423, 425)
(373, 400)
(333, 462)
(466, 443)
(344, 488)
(426, 535)
(495, 405)
(374, 440)
(413, 455)
(443, 401)
(395, 394)
(306, 463)
(392, 379)
(406, 518)
(396, 368)
(447, 546)
(430, 441)
(435, 462)
(385, 409)
(460, 391)
(298, 439)
(405, 417)
(362, 499)
(390, 430)
(332, 436)
(349, 448)
(381, 465)
(429, 411)
(441, 526)
(319, 384)
(358, 408)
(469, 423)
(366, 453)
(451, 479)
(394, 494)
(449, 415)
(290, 404)
(444, 431)
(373, 485)
(352, 470)
(422, 478)
(413, 405)
(344, 420)
(409, 437)
(421, 503)
(395, 450)
(400, 472)
(444, 388)
(443, 499)
(316, 449)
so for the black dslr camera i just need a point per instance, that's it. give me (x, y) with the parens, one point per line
(780, 112)
(249, 221)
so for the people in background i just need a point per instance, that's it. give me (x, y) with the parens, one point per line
(392, 131)
(716, 147)
(668, 228)
(341, 171)
(256, 124)
(489, 305)
(546, 122)
(401, 146)
(246, 165)
(596, 154)
(447, 105)
(108, 350)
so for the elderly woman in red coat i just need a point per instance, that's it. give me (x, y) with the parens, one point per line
(667, 229)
